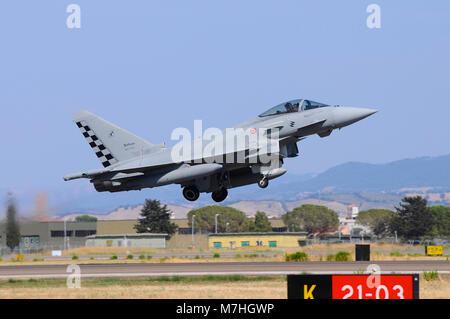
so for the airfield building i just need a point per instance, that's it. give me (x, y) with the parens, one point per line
(50, 234)
(271, 239)
(128, 240)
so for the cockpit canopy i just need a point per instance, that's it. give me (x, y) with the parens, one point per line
(293, 106)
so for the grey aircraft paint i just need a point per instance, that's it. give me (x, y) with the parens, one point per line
(131, 163)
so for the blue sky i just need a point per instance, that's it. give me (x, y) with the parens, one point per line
(151, 66)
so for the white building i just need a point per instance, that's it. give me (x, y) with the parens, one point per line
(352, 211)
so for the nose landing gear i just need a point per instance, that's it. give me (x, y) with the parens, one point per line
(264, 182)
(191, 193)
(220, 195)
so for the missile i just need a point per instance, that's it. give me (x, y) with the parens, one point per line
(86, 174)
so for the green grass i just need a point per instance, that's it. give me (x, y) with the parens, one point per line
(117, 281)
(416, 255)
(396, 254)
(214, 278)
(342, 256)
(14, 260)
(431, 275)
(298, 256)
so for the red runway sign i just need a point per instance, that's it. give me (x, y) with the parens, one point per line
(362, 287)
(353, 286)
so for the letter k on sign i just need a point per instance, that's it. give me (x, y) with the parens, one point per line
(307, 293)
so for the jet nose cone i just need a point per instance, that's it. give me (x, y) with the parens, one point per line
(363, 113)
(348, 115)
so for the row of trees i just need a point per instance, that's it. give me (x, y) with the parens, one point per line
(228, 219)
(312, 219)
(412, 219)
(155, 217)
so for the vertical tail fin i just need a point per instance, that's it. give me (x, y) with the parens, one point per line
(111, 143)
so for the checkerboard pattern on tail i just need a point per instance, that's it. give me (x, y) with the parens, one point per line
(103, 153)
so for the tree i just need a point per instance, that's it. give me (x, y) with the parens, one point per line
(377, 220)
(441, 220)
(312, 219)
(12, 227)
(412, 219)
(205, 219)
(155, 218)
(85, 218)
(261, 223)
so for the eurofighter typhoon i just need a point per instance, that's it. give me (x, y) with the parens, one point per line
(252, 152)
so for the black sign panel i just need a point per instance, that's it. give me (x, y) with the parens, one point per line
(309, 286)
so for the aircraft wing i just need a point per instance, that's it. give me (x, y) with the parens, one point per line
(310, 128)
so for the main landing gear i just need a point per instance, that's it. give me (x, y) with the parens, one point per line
(191, 193)
(220, 195)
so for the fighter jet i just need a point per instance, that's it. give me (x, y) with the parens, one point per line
(132, 163)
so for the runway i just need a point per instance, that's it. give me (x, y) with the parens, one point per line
(219, 268)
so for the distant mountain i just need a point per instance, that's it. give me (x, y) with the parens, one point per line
(431, 173)
(361, 177)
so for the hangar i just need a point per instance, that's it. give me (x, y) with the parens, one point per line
(49, 234)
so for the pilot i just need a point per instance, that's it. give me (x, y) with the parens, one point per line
(289, 107)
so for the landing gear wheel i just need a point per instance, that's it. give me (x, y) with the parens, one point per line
(263, 183)
(219, 195)
(191, 193)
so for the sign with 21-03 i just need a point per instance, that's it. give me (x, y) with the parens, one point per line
(389, 286)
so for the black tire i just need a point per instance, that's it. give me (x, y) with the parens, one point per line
(191, 193)
(219, 195)
(263, 183)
